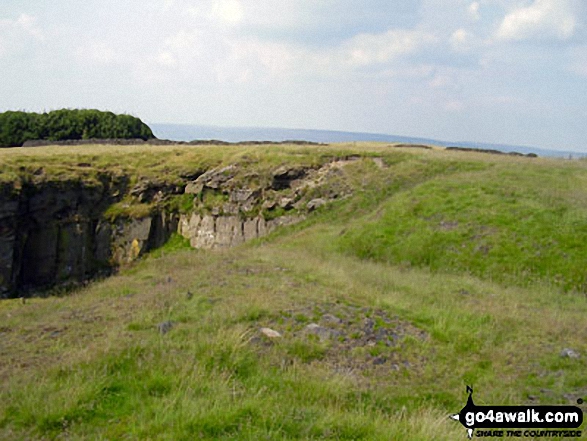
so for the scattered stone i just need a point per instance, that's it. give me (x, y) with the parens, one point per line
(448, 225)
(322, 332)
(353, 338)
(368, 325)
(165, 327)
(385, 336)
(286, 203)
(270, 333)
(243, 195)
(215, 178)
(154, 191)
(331, 319)
(269, 204)
(315, 203)
(194, 188)
(569, 353)
(379, 360)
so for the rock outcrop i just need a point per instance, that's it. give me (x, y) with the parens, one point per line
(248, 206)
(63, 231)
(55, 232)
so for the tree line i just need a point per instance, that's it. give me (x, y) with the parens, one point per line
(17, 127)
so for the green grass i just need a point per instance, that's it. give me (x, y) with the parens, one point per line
(128, 209)
(516, 223)
(175, 243)
(93, 365)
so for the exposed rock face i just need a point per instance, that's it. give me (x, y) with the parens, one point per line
(57, 231)
(211, 231)
(249, 207)
(8, 231)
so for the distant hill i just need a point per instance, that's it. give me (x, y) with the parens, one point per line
(187, 132)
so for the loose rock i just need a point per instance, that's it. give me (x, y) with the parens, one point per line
(315, 203)
(320, 331)
(270, 333)
(165, 327)
(569, 353)
(329, 318)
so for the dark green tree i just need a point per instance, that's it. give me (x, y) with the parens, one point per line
(66, 124)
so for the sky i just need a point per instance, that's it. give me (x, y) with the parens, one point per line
(500, 71)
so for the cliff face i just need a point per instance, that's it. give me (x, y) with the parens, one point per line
(56, 232)
(63, 231)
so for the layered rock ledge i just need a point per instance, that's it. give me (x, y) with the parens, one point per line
(66, 231)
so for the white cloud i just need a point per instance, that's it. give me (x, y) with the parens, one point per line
(229, 12)
(98, 52)
(368, 49)
(474, 11)
(246, 60)
(186, 43)
(29, 24)
(301, 63)
(542, 19)
(441, 81)
(18, 34)
(460, 40)
(168, 4)
(166, 59)
(213, 53)
(24, 23)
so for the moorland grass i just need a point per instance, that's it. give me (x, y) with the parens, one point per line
(93, 365)
(520, 223)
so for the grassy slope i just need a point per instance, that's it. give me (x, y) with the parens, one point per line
(496, 314)
(517, 222)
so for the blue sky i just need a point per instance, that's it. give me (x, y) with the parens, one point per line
(502, 71)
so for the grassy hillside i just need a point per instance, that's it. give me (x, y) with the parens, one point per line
(517, 222)
(443, 269)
